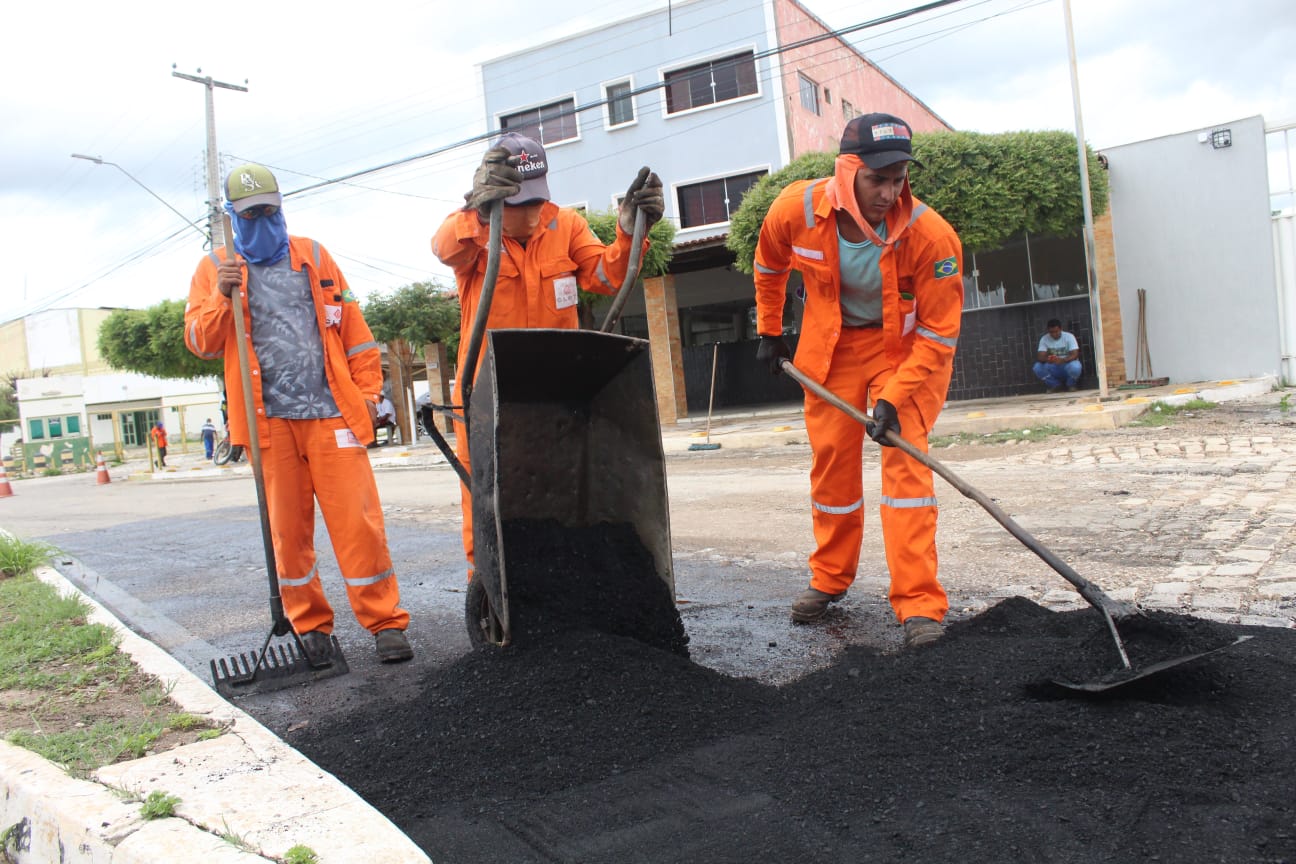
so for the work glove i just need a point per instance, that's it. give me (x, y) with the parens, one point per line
(645, 194)
(496, 178)
(884, 418)
(772, 351)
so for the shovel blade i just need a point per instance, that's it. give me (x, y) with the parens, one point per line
(282, 666)
(1123, 677)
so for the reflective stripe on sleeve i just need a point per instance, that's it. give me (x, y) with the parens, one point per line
(943, 340)
(761, 268)
(363, 346)
(602, 276)
(193, 340)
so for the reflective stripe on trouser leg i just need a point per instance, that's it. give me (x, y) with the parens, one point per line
(465, 496)
(909, 526)
(290, 500)
(836, 471)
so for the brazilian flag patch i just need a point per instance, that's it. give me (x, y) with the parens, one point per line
(349, 297)
(946, 267)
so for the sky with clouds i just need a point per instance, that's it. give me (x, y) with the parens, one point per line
(335, 88)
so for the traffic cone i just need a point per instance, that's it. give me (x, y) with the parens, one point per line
(101, 472)
(5, 489)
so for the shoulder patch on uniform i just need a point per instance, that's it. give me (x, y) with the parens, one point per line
(946, 267)
(349, 297)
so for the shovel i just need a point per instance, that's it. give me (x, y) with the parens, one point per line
(1110, 609)
(280, 666)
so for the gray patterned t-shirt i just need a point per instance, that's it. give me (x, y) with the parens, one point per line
(287, 342)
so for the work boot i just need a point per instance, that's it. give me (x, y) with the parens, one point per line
(393, 647)
(812, 604)
(318, 646)
(921, 631)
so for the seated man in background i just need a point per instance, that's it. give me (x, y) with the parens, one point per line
(1057, 361)
(386, 419)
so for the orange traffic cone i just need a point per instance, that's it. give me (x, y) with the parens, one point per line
(101, 472)
(5, 489)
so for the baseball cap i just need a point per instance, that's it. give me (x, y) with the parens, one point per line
(534, 165)
(249, 185)
(879, 140)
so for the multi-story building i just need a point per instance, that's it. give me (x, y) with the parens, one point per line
(713, 95)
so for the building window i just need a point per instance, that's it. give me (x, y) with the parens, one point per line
(40, 428)
(848, 111)
(712, 82)
(547, 124)
(809, 93)
(713, 201)
(620, 104)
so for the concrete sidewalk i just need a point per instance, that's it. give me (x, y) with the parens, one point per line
(250, 785)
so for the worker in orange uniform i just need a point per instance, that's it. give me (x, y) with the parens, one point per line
(547, 253)
(158, 434)
(883, 303)
(317, 376)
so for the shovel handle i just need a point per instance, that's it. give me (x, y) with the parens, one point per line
(281, 623)
(1089, 591)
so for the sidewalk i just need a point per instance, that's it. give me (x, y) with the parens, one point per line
(251, 785)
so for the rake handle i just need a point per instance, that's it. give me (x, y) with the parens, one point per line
(282, 625)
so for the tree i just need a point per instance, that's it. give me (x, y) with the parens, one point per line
(151, 342)
(989, 187)
(419, 313)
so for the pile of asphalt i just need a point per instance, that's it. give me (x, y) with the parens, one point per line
(590, 746)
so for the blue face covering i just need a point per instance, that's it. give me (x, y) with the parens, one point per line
(261, 241)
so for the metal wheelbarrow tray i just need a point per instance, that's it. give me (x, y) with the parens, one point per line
(570, 516)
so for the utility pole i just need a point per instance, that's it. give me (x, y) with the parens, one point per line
(1095, 301)
(215, 226)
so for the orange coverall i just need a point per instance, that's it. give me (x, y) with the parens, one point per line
(536, 287)
(907, 361)
(305, 461)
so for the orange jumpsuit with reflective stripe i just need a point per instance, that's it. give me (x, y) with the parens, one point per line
(535, 288)
(304, 461)
(907, 361)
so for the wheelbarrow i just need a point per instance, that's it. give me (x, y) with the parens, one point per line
(568, 481)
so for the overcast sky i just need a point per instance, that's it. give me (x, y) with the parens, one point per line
(335, 88)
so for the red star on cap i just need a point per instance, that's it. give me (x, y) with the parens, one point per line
(524, 157)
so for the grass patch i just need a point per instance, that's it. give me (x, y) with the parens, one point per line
(66, 691)
(159, 805)
(1035, 433)
(301, 855)
(1161, 414)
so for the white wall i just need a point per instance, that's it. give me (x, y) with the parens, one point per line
(1192, 228)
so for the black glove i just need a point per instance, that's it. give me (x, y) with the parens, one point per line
(773, 351)
(496, 178)
(645, 194)
(884, 418)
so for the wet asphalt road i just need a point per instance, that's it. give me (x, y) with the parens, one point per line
(181, 562)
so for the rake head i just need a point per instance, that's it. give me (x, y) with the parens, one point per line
(274, 668)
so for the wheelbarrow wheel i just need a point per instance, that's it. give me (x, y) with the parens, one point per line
(484, 626)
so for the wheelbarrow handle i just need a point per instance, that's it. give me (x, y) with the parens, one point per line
(494, 243)
(1091, 592)
(632, 271)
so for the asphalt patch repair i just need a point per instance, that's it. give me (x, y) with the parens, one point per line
(586, 746)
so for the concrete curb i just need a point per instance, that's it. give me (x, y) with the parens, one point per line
(247, 785)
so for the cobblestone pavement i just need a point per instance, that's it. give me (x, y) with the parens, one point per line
(1203, 524)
